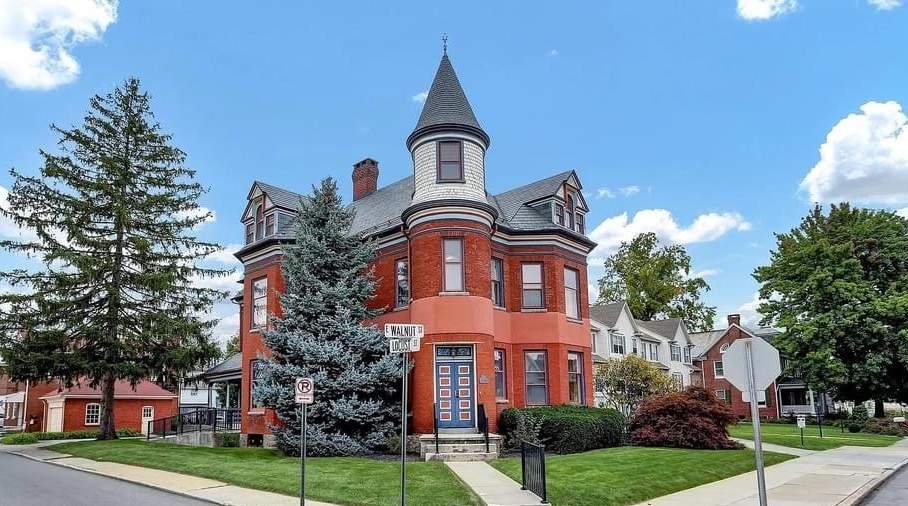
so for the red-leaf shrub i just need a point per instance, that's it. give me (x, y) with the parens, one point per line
(692, 418)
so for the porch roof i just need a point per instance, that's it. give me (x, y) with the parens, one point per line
(229, 369)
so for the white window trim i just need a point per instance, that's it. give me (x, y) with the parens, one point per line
(716, 371)
(612, 338)
(90, 404)
(671, 353)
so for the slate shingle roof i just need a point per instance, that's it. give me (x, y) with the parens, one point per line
(607, 313)
(512, 202)
(279, 196)
(382, 208)
(665, 328)
(446, 103)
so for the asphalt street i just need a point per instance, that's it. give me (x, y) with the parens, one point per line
(894, 492)
(25, 482)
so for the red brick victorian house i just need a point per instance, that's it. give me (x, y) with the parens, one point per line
(498, 280)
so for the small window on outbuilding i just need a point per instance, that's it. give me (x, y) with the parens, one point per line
(93, 414)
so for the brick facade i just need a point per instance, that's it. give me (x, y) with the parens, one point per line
(714, 384)
(127, 413)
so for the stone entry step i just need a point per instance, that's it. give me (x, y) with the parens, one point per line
(456, 447)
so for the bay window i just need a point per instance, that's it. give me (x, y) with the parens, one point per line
(453, 257)
(535, 378)
(533, 297)
(572, 293)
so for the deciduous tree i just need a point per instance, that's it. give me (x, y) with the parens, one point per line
(838, 286)
(656, 281)
(626, 382)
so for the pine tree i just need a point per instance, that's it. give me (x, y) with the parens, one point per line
(117, 296)
(321, 334)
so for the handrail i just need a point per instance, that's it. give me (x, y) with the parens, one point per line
(484, 425)
(435, 424)
(532, 462)
(215, 419)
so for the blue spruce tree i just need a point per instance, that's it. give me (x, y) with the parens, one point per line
(322, 334)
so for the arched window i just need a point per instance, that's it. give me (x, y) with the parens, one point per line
(259, 222)
(570, 211)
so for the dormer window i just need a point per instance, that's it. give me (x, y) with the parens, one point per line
(571, 209)
(250, 232)
(450, 162)
(269, 225)
(581, 223)
(259, 222)
(559, 214)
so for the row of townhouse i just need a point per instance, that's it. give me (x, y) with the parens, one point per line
(696, 358)
(615, 333)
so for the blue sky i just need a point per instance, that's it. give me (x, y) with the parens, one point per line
(701, 121)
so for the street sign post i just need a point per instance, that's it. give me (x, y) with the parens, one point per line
(752, 365)
(404, 338)
(304, 389)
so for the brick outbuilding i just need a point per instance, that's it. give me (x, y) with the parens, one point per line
(78, 407)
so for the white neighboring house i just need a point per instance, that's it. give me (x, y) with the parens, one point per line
(665, 343)
(195, 394)
(674, 349)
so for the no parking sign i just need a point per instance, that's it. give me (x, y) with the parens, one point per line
(305, 391)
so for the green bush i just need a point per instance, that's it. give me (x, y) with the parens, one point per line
(81, 434)
(857, 419)
(885, 427)
(567, 429)
(226, 440)
(22, 438)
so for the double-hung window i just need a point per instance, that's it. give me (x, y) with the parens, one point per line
(533, 297)
(535, 371)
(453, 255)
(581, 223)
(722, 395)
(501, 385)
(575, 377)
(259, 222)
(572, 293)
(450, 161)
(250, 232)
(687, 359)
(676, 353)
(497, 282)
(256, 372)
(93, 414)
(678, 379)
(402, 283)
(652, 351)
(559, 214)
(259, 303)
(593, 346)
(617, 344)
(718, 369)
(269, 225)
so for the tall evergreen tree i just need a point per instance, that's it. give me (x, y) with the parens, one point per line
(322, 333)
(838, 285)
(656, 282)
(117, 297)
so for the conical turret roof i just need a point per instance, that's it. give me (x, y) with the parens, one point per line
(447, 106)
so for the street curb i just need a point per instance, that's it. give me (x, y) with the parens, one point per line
(119, 478)
(860, 494)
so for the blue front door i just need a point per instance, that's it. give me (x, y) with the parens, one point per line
(454, 387)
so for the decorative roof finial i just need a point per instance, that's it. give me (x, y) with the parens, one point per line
(444, 42)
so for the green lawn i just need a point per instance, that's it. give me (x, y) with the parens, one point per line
(788, 435)
(348, 481)
(629, 475)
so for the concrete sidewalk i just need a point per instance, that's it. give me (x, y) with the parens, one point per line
(212, 491)
(492, 486)
(842, 476)
(769, 447)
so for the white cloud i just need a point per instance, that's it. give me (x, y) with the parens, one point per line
(420, 97)
(902, 212)
(227, 327)
(8, 228)
(706, 227)
(226, 255)
(627, 191)
(761, 10)
(864, 158)
(198, 212)
(705, 273)
(605, 193)
(750, 317)
(553, 52)
(885, 5)
(36, 37)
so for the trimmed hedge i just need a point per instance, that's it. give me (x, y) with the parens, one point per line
(570, 429)
(79, 434)
(226, 440)
(23, 438)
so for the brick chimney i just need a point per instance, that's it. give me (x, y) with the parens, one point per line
(734, 319)
(365, 178)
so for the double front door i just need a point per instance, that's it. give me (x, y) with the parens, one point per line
(455, 390)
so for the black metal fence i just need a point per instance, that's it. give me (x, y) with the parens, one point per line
(211, 419)
(484, 425)
(532, 459)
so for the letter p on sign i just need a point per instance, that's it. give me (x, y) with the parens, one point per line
(305, 389)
